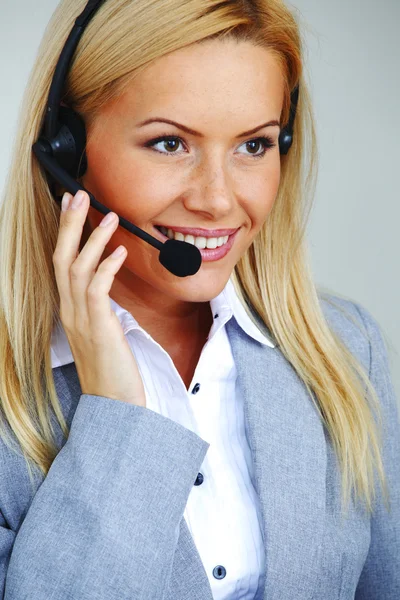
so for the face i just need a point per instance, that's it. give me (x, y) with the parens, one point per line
(217, 178)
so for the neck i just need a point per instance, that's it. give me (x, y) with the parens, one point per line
(169, 321)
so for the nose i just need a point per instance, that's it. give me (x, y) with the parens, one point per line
(211, 191)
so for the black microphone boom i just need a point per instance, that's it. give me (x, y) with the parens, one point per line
(180, 258)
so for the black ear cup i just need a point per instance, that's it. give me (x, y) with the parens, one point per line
(68, 146)
(285, 141)
(286, 135)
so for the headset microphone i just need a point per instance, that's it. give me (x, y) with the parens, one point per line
(60, 149)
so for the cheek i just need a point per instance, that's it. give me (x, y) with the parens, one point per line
(261, 192)
(122, 183)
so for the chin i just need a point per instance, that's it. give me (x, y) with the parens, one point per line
(198, 288)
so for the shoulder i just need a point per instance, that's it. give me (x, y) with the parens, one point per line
(343, 313)
(364, 336)
(356, 326)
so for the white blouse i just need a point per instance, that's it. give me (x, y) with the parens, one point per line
(222, 512)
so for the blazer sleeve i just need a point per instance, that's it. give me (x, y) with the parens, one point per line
(380, 577)
(104, 523)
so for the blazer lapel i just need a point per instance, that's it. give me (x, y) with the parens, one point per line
(288, 447)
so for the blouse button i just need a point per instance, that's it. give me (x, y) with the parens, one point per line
(196, 388)
(219, 572)
(199, 479)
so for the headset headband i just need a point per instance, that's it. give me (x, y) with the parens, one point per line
(64, 61)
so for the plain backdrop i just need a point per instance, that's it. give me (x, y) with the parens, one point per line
(352, 63)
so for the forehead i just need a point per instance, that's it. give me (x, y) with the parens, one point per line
(217, 79)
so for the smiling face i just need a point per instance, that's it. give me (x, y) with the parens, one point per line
(217, 178)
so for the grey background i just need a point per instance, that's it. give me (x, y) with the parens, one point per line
(352, 60)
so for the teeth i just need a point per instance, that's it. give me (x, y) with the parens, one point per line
(200, 242)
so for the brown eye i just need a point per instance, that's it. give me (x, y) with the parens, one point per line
(253, 143)
(169, 142)
(266, 143)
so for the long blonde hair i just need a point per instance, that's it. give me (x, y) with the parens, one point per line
(273, 277)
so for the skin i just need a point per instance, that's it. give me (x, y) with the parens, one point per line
(219, 88)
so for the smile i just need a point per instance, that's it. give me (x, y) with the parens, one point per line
(211, 248)
(198, 241)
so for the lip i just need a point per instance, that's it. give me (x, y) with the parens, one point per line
(209, 254)
(199, 232)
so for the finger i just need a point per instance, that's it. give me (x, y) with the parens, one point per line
(99, 307)
(72, 221)
(84, 267)
(67, 246)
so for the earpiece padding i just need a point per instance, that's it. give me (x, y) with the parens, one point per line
(73, 155)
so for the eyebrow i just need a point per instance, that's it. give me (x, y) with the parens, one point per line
(197, 133)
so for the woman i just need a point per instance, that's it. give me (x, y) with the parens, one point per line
(231, 434)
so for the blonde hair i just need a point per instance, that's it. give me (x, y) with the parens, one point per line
(273, 277)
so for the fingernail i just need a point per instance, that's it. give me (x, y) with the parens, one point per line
(118, 252)
(109, 218)
(78, 199)
(66, 199)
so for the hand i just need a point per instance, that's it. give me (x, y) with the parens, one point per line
(104, 361)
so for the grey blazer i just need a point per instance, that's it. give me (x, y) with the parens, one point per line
(107, 523)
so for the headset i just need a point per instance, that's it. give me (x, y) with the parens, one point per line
(60, 149)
